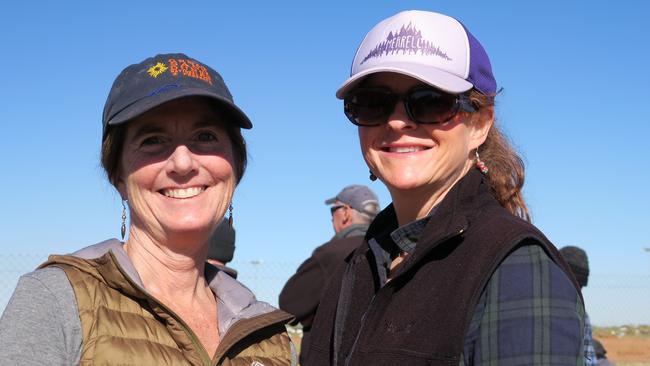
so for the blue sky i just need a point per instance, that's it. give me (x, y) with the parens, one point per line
(575, 79)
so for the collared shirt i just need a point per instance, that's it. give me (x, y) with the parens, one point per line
(590, 352)
(494, 336)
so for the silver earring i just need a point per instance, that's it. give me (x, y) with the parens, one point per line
(480, 165)
(372, 177)
(230, 215)
(123, 228)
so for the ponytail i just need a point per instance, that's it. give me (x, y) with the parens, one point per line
(506, 168)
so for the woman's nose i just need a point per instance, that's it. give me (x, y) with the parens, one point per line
(181, 161)
(399, 118)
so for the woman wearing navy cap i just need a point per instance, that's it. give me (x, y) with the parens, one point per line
(173, 149)
(452, 272)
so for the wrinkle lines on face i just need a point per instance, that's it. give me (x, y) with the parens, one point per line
(417, 162)
(178, 173)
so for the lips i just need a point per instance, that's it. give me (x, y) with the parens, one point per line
(405, 149)
(182, 193)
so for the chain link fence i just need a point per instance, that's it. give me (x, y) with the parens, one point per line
(612, 299)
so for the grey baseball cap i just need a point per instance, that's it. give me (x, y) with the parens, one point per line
(359, 197)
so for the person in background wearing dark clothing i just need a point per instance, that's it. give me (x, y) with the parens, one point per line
(352, 211)
(600, 354)
(577, 260)
(452, 272)
(222, 247)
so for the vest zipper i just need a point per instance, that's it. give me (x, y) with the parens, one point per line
(226, 344)
(363, 323)
(372, 301)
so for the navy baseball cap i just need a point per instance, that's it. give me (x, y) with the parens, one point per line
(163, 78)
(359, 197)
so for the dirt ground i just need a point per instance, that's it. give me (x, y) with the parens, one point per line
(626, 346)
(627, 351)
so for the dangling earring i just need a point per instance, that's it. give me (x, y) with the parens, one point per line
(480, 165)
(123, 228)
(372, 177)
(230, 215)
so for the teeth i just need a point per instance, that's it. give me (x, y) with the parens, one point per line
(405, 149)
(183, 193)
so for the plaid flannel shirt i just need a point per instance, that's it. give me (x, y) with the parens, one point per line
(528, 314)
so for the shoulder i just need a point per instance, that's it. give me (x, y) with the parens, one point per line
(529, 300)
(338, 247)
(529, 272)
(50, 282)
(529, 279)
(497, 219)
(42, 312)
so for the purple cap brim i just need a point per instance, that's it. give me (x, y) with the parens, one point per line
(432, 76)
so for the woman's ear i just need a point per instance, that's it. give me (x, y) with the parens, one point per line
(482, 122)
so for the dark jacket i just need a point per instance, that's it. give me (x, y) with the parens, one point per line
(301, 294)
(422, 315)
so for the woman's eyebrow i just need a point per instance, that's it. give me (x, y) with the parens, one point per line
(207, 121)
(146, 129)
(152, 128)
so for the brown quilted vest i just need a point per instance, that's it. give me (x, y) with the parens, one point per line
(123, 325)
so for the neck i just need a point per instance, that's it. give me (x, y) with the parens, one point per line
(415, 203)
(352, 230)
(165, 272)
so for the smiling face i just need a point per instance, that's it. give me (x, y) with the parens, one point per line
(413, 158)
(177, 171)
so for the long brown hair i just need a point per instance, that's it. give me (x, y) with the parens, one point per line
(506, 168)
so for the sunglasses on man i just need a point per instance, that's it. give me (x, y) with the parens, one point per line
(373, 106)
(334, 208)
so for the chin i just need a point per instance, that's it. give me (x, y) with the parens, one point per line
(190, 226)
(402, 180)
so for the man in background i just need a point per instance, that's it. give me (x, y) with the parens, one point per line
(353, 209)
(577, 260)
(222, 248)
(600, 354)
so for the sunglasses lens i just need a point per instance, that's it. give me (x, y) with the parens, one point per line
(431, 106)
(334, 208)
(368, 107)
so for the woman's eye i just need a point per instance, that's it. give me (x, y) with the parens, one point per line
(152, 140)
(206, 137)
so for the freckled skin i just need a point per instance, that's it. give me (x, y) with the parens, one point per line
(418, 180)
(179, 144)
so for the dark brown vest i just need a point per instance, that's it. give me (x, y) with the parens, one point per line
(422, 315)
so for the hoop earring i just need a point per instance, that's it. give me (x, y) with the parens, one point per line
(123, 228)
(230, 215)
(372, 177)
(480, 165)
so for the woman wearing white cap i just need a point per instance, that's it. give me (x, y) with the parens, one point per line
(451, 272)
(172, 147)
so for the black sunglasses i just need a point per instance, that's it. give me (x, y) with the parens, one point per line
(373, 106)
(334, 208)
